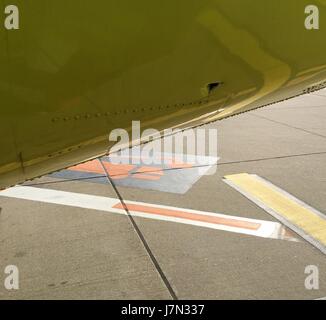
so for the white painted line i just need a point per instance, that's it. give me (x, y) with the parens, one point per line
(253, 227)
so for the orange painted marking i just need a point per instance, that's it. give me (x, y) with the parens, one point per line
(122, 171)
(148, 173)
(93, 166)
(142, 176)
(116, 171)
(176, 165)
(151, 170)
(190, 216)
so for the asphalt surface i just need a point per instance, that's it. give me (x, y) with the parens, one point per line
(74, 253)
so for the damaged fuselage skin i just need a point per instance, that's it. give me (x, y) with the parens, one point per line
(75, 70)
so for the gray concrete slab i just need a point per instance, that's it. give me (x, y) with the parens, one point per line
(291, 159)
(319, 131)
(78, 186)
(316, 99)
(73, 253)
(320, 93)
(205, 264)
(314, 119)
(70, 253)
(230, 266)
(247, 137)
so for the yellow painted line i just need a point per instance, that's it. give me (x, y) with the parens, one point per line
(297, 215)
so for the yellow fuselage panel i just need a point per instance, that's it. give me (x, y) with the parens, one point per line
(75, 70)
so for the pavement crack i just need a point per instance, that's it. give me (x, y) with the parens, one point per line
(177, 169)
(140, 235)
(287, 125)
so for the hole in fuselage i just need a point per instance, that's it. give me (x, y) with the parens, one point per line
(212, 86)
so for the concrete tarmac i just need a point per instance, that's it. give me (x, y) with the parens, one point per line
(66, 252)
